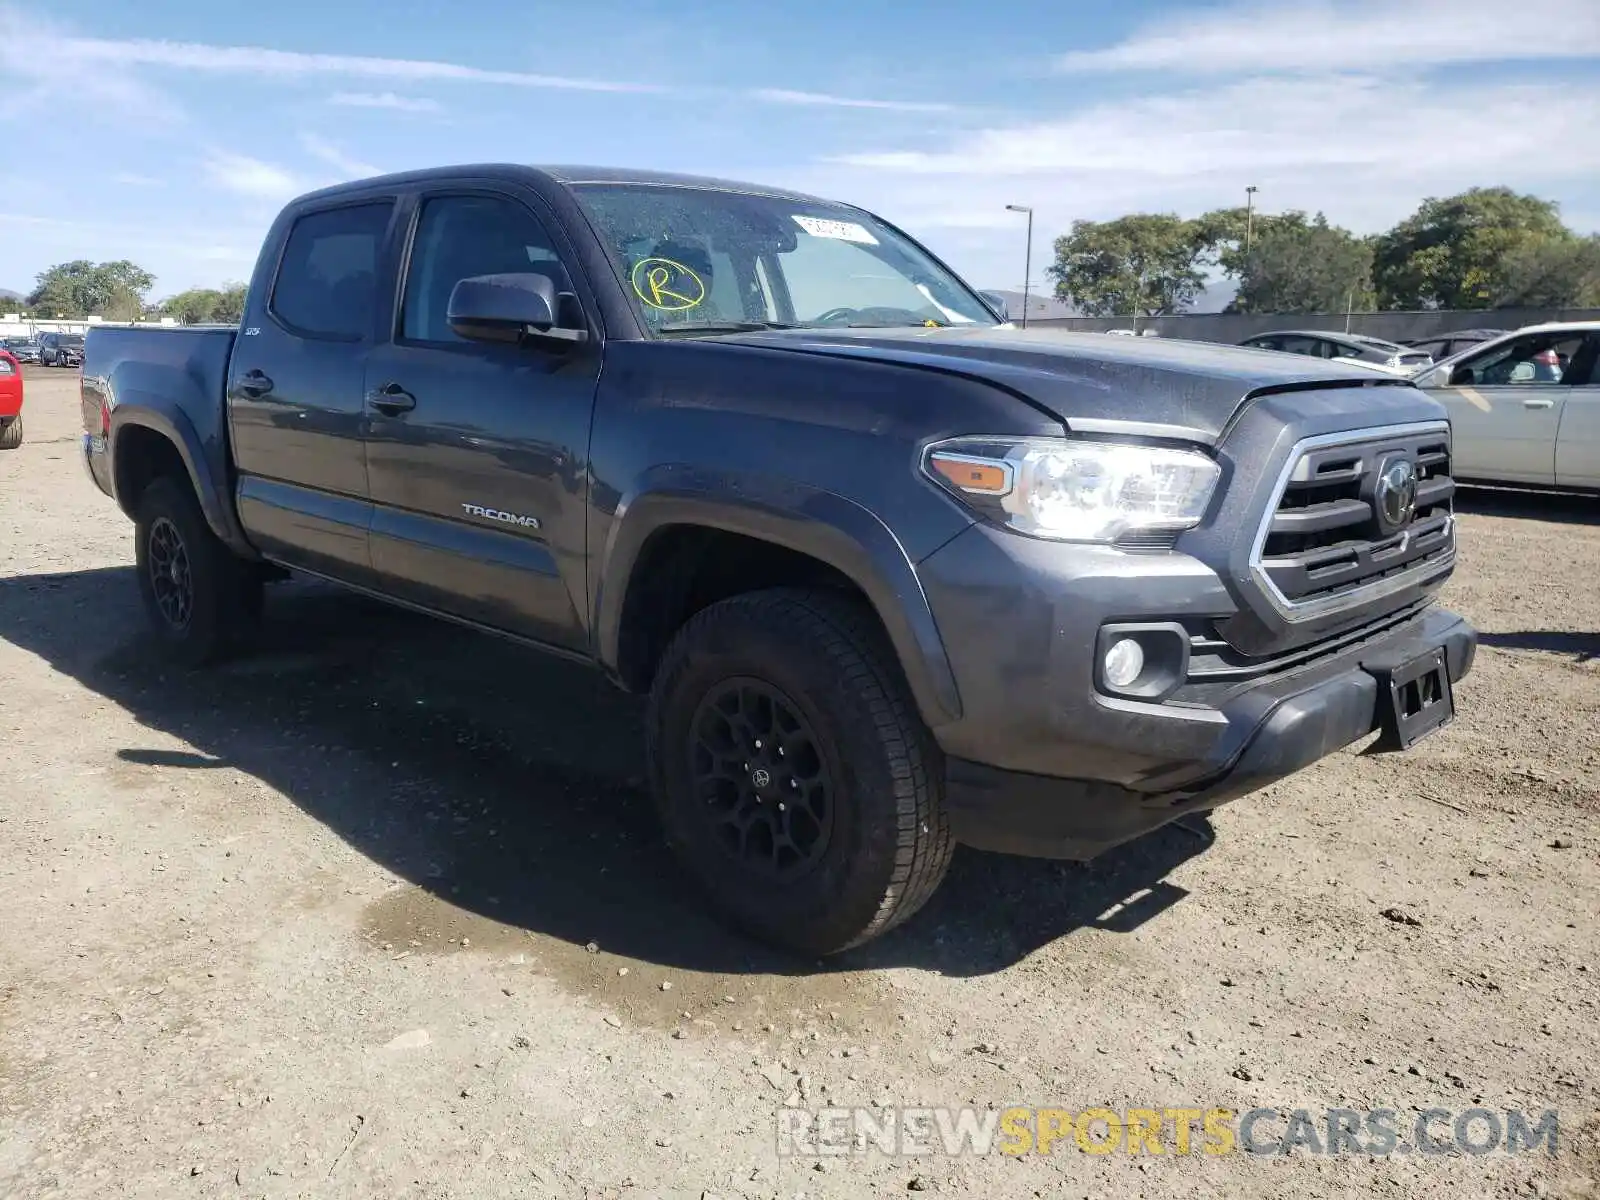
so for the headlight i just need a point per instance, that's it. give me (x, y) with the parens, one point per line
(1074, 490)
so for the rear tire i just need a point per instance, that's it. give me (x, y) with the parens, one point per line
(794, 777)
(201, 599)
(11, 433)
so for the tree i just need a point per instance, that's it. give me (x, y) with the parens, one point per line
(206, 306)
(230, 308)
(81, 288)
(1552, 273)
(1453, 253)
(1143, 264)
(1300, 266)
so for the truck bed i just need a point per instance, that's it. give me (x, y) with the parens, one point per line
(172, 379)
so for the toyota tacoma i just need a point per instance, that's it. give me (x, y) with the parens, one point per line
(893, 574)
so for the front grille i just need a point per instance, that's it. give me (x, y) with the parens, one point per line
(1323, 546)
(1212, 658)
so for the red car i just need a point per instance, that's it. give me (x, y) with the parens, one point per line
(10, 402)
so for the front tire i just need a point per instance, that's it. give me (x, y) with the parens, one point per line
(11, 433)
(794, 777)
(200, 599)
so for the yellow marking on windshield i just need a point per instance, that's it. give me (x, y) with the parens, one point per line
(666, 285)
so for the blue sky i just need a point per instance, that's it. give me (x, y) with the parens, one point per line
(169, 132)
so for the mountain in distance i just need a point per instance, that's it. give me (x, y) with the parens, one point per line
(1040, 307)
(1216, 296)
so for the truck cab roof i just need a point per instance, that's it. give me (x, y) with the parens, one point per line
(561, 176)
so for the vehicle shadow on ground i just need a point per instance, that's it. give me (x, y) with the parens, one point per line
(1559, 507)
(1583, 646)
(511, 785)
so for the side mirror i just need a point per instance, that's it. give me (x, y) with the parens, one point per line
(1460, 377)
(508, 308)
(998, 303)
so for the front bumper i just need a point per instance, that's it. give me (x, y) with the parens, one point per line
(1267, 733)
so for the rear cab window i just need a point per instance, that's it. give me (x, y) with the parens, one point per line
(327, 281)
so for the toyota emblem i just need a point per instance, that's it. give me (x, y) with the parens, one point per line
(1394, 496)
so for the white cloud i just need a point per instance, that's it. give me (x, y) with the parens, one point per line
(389, 100)
(258, 60)
(347, 167)
(250, 176)
(41, 83)
(54, 239)
(87, 58)
(1367, 35)
(1365, 150)
(1275, 125)
(821, 99)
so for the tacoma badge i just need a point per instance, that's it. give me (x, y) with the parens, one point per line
(494, 514)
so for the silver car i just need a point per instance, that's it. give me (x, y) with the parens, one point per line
(1525, 406)
(1357, 347)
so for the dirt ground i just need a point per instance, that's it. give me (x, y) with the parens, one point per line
(379, 910)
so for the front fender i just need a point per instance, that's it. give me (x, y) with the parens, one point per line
(824, 525)
(156, 412)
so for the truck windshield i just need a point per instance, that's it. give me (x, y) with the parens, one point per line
(698, 260)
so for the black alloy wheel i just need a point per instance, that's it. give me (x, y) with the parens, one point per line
(170, 577)
(793, 773)
(757, 765)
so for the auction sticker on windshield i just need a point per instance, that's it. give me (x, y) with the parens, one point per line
(840, 231)
(666, 285)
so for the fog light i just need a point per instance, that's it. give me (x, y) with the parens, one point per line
(1124, 662)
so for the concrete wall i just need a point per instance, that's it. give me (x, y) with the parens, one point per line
(1395, 326)
(12, 325)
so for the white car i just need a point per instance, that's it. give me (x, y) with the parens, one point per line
(1344, 347)
(1525, 406)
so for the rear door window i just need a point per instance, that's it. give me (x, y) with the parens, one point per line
(328, 277)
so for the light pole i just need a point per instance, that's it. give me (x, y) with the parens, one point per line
(1249, 216)
(1027, 258)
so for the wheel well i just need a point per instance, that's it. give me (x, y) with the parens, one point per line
(683, 569)
(143, 456)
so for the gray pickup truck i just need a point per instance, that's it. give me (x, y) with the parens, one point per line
(893, 574)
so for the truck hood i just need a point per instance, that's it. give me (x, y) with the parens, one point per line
(1092, 382)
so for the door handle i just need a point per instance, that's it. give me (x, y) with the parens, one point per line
(392, 400)
(1538, 404)
(255, 383)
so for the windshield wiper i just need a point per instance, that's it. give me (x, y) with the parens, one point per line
(723, 326)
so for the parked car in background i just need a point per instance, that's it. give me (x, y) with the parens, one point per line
(61, 350)
(10, 401)
(1319, 343)
(1442, 345)
(1525, 406)
(24, 349)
